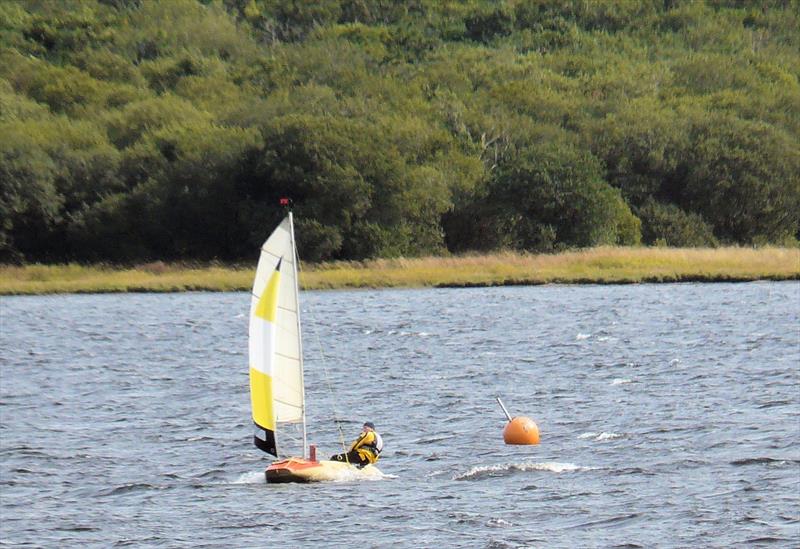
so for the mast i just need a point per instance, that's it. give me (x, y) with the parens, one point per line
(295, 266)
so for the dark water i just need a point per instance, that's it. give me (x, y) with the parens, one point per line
(669, 417)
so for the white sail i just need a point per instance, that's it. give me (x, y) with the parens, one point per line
(276, 361)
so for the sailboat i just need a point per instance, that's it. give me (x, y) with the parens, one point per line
(277, 392)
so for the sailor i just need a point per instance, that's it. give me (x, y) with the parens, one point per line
(366, 448)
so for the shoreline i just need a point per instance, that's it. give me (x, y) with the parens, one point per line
(605, 265)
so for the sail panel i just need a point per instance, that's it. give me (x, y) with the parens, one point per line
(264, 439)
(276, 371)
(288, 390)
(287, 341)
(277, 246)
(288, 299)
(262, 341)
(260, 397)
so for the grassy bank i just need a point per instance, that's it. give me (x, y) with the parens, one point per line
(599, 265)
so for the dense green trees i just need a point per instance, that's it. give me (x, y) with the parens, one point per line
(134, 130)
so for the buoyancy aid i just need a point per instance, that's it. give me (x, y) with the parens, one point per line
(369, 446)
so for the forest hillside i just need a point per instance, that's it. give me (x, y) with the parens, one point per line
(134, 130)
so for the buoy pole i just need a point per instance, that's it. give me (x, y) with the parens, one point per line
(500, 402)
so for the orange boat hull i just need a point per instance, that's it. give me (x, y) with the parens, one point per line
(296, 469)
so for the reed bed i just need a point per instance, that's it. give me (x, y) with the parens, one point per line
(153, 277)
(604, 265)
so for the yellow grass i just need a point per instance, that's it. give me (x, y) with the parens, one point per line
(155, 277)
(598, 265)
(605, 265)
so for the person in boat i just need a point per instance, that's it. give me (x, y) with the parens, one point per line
(366, 448)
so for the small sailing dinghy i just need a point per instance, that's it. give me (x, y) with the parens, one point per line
(277, 393)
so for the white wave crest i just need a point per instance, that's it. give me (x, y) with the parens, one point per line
(620, 381)
(600, 436)
(483, 471)
(436, 473)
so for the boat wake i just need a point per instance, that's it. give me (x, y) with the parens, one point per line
(358, 476)
(251, 477)
(502, 470)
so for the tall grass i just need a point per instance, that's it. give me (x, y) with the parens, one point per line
(604, 265)
(153, 277)
(598, 265)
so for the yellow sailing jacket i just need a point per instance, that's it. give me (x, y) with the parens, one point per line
(368, 445)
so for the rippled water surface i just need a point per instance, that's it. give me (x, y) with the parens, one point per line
(669, 417)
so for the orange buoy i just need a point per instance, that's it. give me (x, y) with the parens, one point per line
(521, 430)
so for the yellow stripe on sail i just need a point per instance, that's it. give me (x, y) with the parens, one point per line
(261, 399)
(267, 307)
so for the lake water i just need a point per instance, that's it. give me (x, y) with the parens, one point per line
(669, 417)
